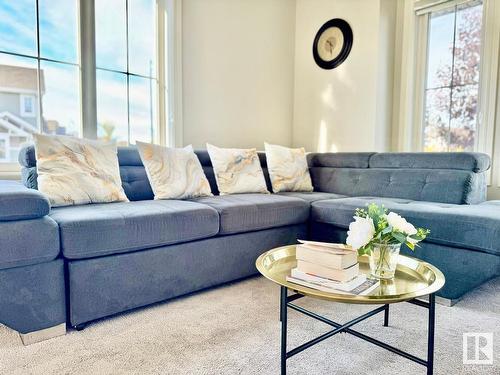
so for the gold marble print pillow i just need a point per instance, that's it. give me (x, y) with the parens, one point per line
(288, 168)
(75, 171)
(237, 170)
(174, 173)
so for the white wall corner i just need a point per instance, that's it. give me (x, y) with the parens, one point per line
(385, 74)
(404, 69)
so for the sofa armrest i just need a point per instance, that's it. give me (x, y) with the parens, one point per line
(17, 202)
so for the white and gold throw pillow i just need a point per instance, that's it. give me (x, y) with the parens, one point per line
(288, 168)
(77, 171)
(237, 170)
(174, 173)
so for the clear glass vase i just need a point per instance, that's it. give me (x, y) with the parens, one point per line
(384, 259)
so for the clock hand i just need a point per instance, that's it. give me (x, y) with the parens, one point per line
(330, 45)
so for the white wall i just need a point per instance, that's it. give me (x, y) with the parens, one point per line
(336, 110)
(385, 74)
(238, 58)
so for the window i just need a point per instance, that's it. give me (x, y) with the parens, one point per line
(27, 105)
(126, 80)
(451, 91)
(4, 146)
(45, 62)
(39, 72)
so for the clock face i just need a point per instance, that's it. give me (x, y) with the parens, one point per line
(332, 43)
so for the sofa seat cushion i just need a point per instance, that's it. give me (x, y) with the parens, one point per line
(475, 227)
(249, 212)
(102, 229)
(312, 196)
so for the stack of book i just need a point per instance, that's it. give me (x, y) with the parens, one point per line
(330, 267)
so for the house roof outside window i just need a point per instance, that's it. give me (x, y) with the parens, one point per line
(20, 79)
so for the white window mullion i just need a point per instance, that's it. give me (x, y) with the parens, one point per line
(88, 68)
(420, 74)
(38, 75)
(174, 75)
(161, 52)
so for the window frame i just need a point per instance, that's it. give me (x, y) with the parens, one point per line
(408, 81)
(168, 75)
(129, 75)
(168, 71)
(407, 129)
(483, 127)
(12, 169)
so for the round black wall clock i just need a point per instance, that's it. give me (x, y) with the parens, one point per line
(332, 43)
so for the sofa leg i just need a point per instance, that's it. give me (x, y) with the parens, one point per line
(446, 301)
(80, 327)
(443, 301)
(43, 334)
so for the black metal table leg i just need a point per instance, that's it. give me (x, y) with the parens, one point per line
(386, 315)
(285, 303)
(283, 316)
(430, 338)
(281, 309)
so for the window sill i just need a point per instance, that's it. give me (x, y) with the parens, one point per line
(493, 193)
(10, 175)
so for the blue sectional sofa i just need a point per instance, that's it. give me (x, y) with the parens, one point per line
(80, 263)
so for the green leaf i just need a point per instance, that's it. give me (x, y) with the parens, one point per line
(386, 230)
(400, 237)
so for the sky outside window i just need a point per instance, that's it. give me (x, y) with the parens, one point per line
(126, 70)
(126, 90)
(53, 83)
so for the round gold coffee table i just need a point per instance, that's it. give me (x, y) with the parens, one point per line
(413, 279)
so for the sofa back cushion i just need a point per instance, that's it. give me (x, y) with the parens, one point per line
(133, 174)
(457, 178)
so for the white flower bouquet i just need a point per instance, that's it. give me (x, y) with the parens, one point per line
(380, 234)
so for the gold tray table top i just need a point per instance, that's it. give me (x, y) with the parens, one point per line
(414, 278)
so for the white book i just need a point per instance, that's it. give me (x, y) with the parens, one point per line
(368, 286)
(341, 275)
(332, 258)
(345, 286)
(338, 247)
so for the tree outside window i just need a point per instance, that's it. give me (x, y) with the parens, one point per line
(451, 93)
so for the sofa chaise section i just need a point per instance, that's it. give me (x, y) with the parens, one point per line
(441, 191)
(32, 290)
(475, 227)
(463, 243)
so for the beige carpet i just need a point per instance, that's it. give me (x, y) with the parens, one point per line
(235, 329)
